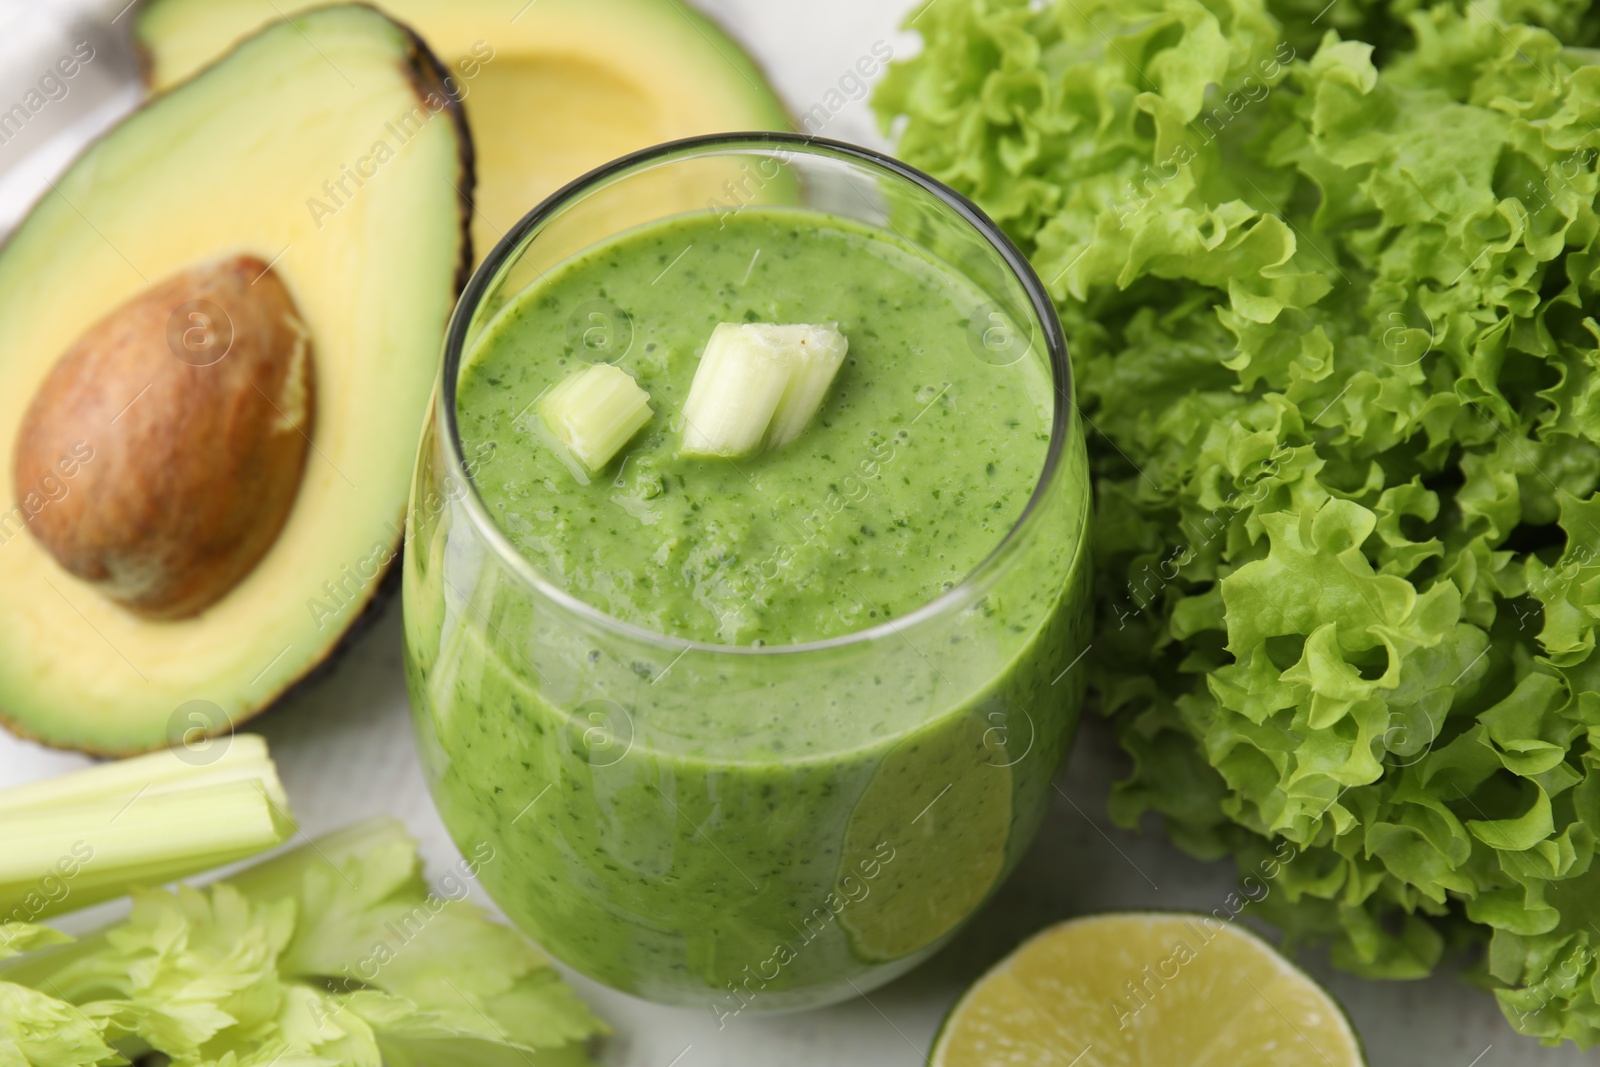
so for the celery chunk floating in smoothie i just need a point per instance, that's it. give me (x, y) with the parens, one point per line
(759, 382)
(592, 413)
(756, 712)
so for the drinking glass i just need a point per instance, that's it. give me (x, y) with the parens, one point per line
(644, 806)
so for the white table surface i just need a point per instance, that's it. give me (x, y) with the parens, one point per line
(345, 752)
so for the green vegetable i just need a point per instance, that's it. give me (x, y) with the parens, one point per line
(759, 383)
(1331, 306)
(335, 953)
(81, 838)
(815, 355)
(742, 376)
(593, 412)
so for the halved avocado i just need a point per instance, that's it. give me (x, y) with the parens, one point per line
(313, 184)
(553, 88)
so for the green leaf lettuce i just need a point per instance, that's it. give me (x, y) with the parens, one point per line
(1329, 275)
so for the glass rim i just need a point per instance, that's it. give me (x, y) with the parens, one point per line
(953, 599)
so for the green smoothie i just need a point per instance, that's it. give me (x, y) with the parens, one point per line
(687, 822)
(791, 544)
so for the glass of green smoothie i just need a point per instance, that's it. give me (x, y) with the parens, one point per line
(746, 570)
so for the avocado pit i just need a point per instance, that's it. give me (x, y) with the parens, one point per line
(194, 402)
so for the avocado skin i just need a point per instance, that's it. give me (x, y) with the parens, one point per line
(426, 75)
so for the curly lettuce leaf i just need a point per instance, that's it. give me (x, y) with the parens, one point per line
(1325, 272)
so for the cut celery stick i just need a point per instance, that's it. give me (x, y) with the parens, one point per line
(595, 411)
(69, 857)
(242, 757)
(816, 354)
(72, 841)
(737, 387)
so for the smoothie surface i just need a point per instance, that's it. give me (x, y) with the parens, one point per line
(921, 459)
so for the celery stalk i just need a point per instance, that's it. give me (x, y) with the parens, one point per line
(759, 382)
(816, 353)
(595, 411)
(741, 379)
(242, 757)
(68, 858)
(76, 840)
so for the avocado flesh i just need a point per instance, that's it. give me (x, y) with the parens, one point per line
(229, 164)
(568, 85)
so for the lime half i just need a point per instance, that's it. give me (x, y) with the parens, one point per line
(1146, 990)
